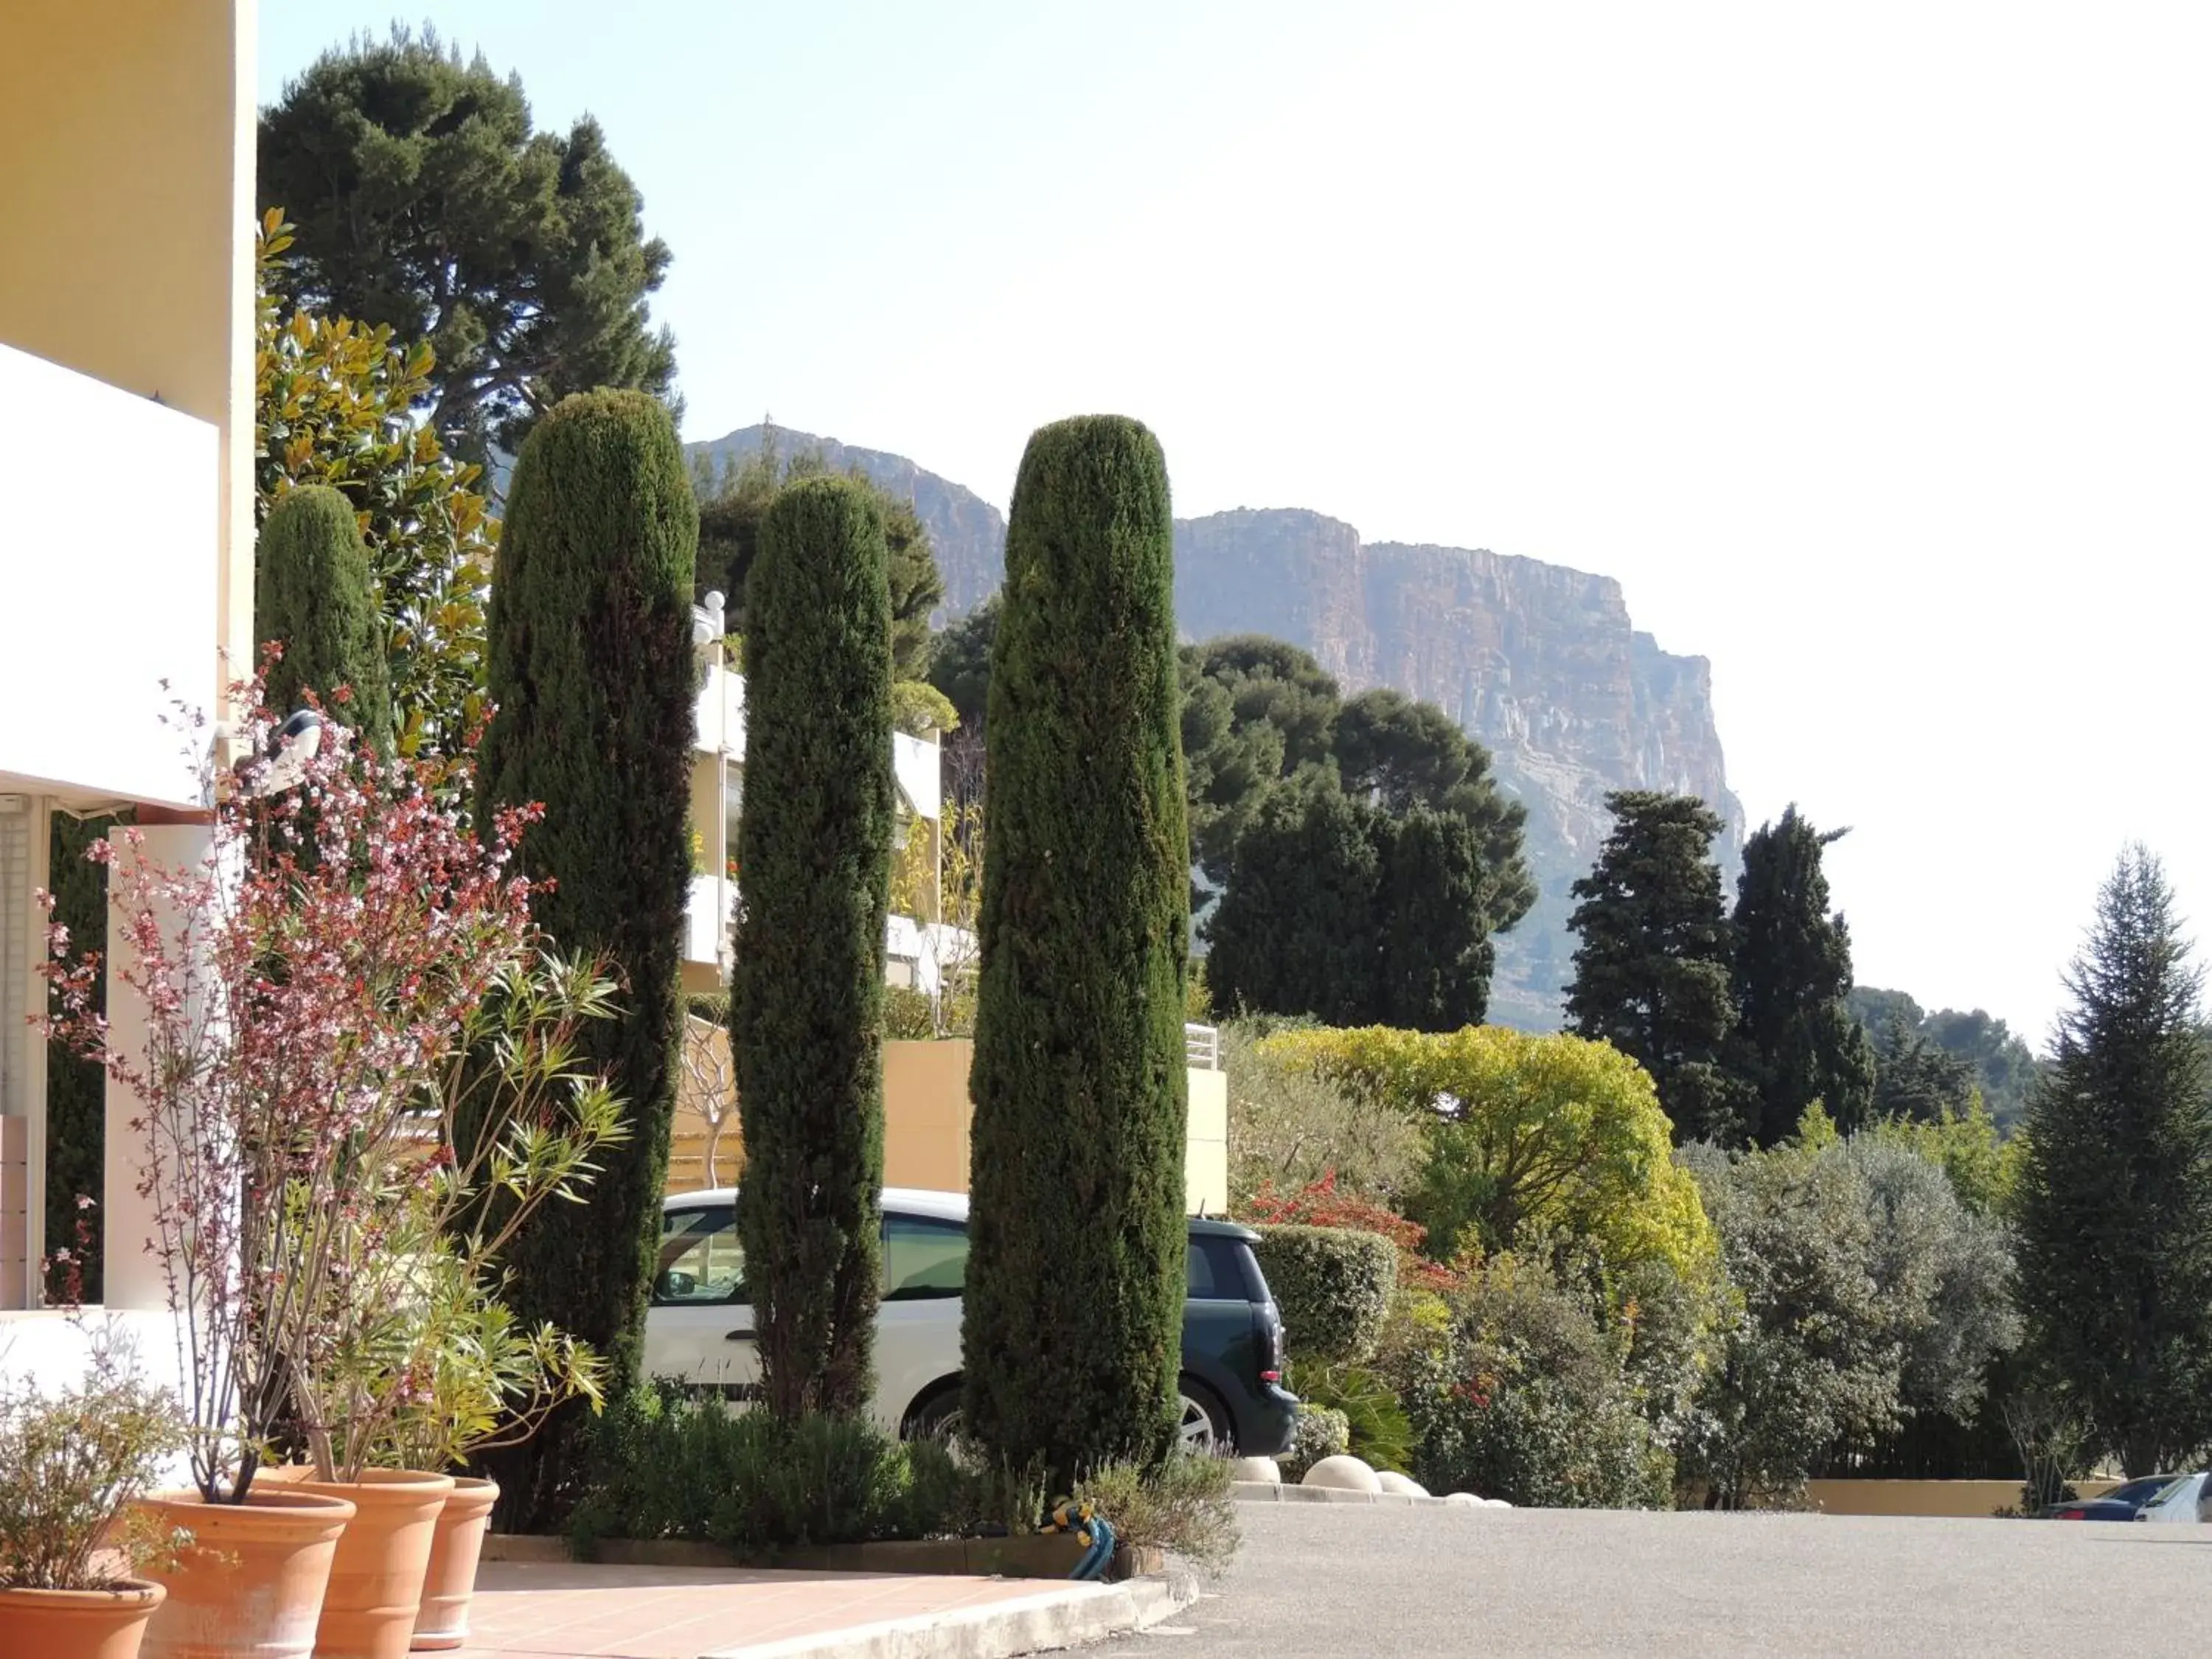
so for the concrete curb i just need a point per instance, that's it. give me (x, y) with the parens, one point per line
(1065, 1617)
(1261, 1492)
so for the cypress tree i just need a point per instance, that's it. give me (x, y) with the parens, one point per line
(1074, 1316)
(1651, 972)
(1433, 923)
(806, 1009)
(592, 672)
(2116, 1196)
(314, 592)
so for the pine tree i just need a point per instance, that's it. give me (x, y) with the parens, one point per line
(806, 1010)
(1074, 1315)
(1651, 972)
(1295, 932)
(2115, 1203)
(1432, 923)
(592, 674)
(1796, 1040)
(315, 594)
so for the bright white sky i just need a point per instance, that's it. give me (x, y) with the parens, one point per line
(1870, 348)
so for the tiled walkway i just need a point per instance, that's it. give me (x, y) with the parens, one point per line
(528, 1610)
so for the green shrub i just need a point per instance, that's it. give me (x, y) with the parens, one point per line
(1530, 1400)
(1182, 1506)
(1378, 1430)
(1319, 1432)
(1289, 1127)
(666, 1463)
(1334, 1286)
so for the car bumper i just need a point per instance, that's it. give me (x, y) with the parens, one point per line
(1270, 1419)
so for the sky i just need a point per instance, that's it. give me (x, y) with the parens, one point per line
(1869, 348)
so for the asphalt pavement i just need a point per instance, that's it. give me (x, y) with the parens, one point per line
(1317, 1581)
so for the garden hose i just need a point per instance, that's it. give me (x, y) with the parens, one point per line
(1091, 1529)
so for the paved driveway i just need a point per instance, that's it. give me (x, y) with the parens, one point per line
(1316, 1583)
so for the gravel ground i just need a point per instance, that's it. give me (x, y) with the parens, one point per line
(1317, 1583)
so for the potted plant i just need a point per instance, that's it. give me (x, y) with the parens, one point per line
(74, 1461)
(357, 1046)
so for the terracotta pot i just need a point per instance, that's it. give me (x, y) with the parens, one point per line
(442, 1621)
(253, 1580)
(376, 1582)
(102, 1624)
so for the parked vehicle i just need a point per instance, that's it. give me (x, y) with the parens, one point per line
(2154, 1497)
(699, 1328)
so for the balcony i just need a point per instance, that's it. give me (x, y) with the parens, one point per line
(113, 551)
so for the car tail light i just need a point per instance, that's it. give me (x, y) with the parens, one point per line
(2072, 1515)
(1270, 1327)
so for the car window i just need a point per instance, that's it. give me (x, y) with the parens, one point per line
(924, 1258)
(703, 1260)
(1214, 1270)
(2140, 1491)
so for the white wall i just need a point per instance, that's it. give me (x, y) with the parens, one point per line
(108, 563)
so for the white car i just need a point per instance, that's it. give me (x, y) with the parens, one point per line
(699, 1330)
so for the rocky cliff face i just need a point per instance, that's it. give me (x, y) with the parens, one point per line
(1540, 663)
(968, 534)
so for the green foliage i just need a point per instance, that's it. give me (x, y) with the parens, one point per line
(1182, 1506)
(314, 593)
(1527, 1136)
(426, 202)
(960, 661)
(1256, 711)
(806, 1005)
(76, 1088)
(334, 405)
(1797, 1043)
(666, 1465)
(594, 676)
(1530, 1398)
(76, 1457)
(1319, 1431)
(1651, 972)
(2115, 1199)
(1999, 1063)
(1079, 1080)
(1867, 1292)
(1334, 1286)
(1289, 1128)
(1377, 1430)
(1982, 1166)
(919, 709)
(733, 508)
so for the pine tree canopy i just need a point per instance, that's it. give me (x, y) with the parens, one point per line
(424, 198)
(1652, 970)
(2115, 1204)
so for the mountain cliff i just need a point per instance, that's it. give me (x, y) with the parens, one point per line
(1539, 663)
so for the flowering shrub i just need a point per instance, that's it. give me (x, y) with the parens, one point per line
(1321, 1204)
(345, 981)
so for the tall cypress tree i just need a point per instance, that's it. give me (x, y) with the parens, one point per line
(591, 671)
(1796, 1041)
(314, 592)
(1651, 972)
(807, 1008)
(2116, 1197)
(1074, 1317)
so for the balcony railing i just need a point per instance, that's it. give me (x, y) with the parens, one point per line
(1201, 1048)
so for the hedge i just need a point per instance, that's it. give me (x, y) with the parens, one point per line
(1332, 1285)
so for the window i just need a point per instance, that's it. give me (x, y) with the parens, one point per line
(924, 1258)
(902, 973)
(1214, 1270)
(701, 1259)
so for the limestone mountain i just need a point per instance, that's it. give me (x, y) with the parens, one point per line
(1540, 663)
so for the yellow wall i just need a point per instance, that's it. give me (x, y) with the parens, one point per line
(126, 213)
(926, 1118)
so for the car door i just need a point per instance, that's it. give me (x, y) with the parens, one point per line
(699, 1329)
(918, 1328)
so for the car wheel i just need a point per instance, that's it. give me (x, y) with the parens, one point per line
(1204, 1425)
(938, 1417)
